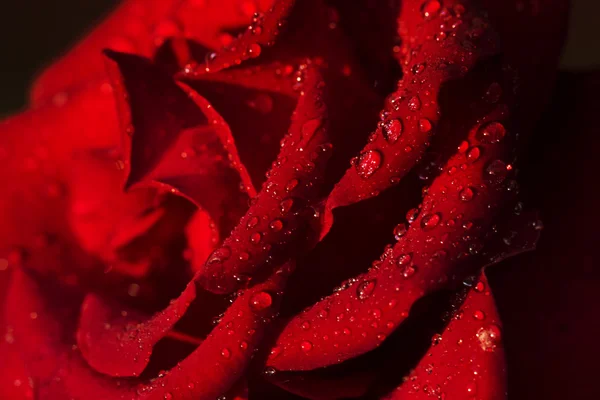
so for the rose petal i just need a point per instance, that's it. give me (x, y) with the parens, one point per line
(416, 112)
(172, 144)
(140, 27)
(278, 214)
(466, 360)
(449, 228)
(106, 335)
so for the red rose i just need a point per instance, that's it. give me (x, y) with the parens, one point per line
(194, 200)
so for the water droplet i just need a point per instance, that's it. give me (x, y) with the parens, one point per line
(276, 225)
(473, 154)
(226, 353)
(261, 301)
(430, 8)
(489, 337)
(306, 346)
(254, 50)
(392, 130)
(399, 231)
(286, 205)
(430, 221)
(414, 104)
(480, 287)
(424, 125)
(219, 255)
(466, 194)
(496, 172)
(368, 163)
(412, 215)
(256, 237)
(291, 185)
(404, 259)
(418, 69)
(408, 271)
(479, 315)
(491, 133)
(252, 222)
(305, 325)
(436, 339)
(366, 289)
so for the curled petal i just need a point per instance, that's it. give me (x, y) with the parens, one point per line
(140, 27)
(421, 109)
(278, 215)
(107, 334)
(455, 217)
(169, 142)
(466, 360)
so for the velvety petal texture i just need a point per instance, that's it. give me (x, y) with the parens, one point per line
(281, 199)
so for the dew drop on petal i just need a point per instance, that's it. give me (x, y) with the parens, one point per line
(479, 315)
(414, 104)
(261, 301)
(412, 215)
(276, 225)
(399, 231)
(368, 163)
(466, 194)
(392, 130)
(489, 337)
(256, 237)
(366, 289)
(473, 154)
(430, 221)
(496, 172)
(430, 8)
(219, 255)
(424, 125)
(404, 259)
(491, 133)
(306, 346)
(226, 353)
(252, 222)
(286, 205)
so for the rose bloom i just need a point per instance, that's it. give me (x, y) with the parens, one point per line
(278, 199)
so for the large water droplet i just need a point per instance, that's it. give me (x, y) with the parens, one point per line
(276, 225)
(306, 346)
(414, 104)
(368, 163)
(261, 301)
(366, 289)
(252, 222)
(491, 133)
(286, 205)
(473, 154)
(466, 194)
(219, 255)
(496, 172)
(392, 130)
(489, 337)
(430, 8)
(430, 221)
(256, 237)
(399, 231)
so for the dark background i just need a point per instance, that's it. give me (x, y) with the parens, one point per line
(549, 300)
